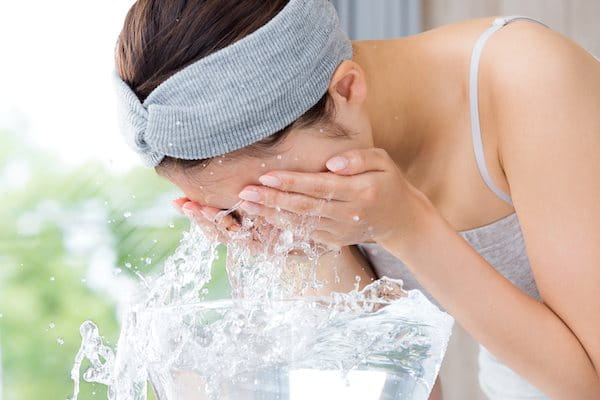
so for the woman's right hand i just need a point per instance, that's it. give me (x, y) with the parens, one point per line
(204, 216)
(264, 228)
(224, 228)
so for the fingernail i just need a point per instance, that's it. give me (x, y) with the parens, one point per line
(250, 195)
(250, 207)
(337, 163)
(269, 180)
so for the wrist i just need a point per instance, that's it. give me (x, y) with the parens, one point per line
(411, 233)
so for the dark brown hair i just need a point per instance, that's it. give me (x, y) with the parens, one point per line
(161, 37)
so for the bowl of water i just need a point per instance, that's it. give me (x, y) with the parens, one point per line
(302, 348)
(268, 341)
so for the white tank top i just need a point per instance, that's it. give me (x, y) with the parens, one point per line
(500, 243)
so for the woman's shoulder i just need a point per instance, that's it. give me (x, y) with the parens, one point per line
(526, 64)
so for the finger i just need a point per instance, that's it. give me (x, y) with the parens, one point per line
(228, 222)
(357, 161)
(323, 185)
(208, 228)
(293, 202)
(204, 216)
(284, 219)
(179, 202)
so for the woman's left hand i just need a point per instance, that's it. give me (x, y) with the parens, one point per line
(366, 198)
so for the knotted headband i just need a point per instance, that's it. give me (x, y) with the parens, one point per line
(240, 94)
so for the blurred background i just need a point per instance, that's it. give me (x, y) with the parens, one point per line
(82, 220)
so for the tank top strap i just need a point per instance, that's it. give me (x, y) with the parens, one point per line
(474, 102)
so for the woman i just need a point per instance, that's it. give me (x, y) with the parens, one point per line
(505, 241)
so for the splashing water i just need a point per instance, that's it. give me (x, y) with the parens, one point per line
(270, 340)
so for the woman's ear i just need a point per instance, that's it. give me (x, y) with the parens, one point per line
(348, 83)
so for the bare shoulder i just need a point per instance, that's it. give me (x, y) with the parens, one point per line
(538, 78)
(526, 53)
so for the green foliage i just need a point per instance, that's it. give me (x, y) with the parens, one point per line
(53, 225)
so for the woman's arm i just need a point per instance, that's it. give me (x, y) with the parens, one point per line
(547, 97)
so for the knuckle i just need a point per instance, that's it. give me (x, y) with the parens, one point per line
(369, 193)
(269, 196)
(359, 158)
(322, 189)
(304, 207)
(287, 182)
(379, 152)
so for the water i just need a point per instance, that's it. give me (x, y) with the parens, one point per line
(270, 340)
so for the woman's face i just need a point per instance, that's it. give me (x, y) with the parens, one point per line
(303, 150)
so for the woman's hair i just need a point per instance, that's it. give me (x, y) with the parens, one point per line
(159, 38)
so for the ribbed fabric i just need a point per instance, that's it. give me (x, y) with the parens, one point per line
(241, 93)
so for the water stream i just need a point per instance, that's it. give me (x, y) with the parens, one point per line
(270, 340)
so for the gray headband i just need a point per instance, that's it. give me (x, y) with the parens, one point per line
(241, 93)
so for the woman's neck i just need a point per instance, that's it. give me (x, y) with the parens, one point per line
(404, 104)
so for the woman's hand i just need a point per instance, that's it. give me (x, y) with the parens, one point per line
(263, 233)
(366, 198)
(204, 216)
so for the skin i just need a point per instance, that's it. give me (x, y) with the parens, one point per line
(412, 178)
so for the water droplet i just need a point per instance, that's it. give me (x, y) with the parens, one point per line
(60, 341)
(83, 280)
(1, 315)
(171, 225)
(370, 229)
(128, 265)
(51, 325)
(127, 214)
(148, 261)
(52, 279)
(278, 208)
(155, 241)
(133, 196)
(356, 218)
(279, 156)
(263, 165)
(220, 161)
(170, 144)
(211, 173)
(321, 130)
(178, 123)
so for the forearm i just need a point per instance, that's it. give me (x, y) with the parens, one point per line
(523, 333)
